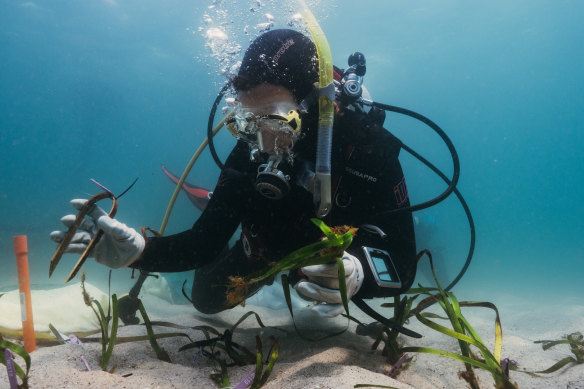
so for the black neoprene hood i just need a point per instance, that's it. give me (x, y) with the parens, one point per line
(280, 57)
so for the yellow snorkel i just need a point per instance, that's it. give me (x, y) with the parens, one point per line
(326, 109)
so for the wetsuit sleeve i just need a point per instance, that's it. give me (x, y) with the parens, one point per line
(379, 202)
(209, 235)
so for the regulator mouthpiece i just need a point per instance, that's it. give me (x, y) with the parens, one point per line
(272, 182)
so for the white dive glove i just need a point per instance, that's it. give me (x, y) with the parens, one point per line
(119, 245)
(322, 285)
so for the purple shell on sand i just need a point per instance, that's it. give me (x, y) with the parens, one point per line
(397, 365)
(9, 361)
(196, 357)
(74, 339)
(246, 382)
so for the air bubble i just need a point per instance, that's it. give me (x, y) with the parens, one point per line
(215, 34)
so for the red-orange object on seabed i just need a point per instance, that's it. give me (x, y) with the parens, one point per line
(21, 251)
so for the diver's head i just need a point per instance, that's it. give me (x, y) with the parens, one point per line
(278, 72)
(280, 57)
(266, 117)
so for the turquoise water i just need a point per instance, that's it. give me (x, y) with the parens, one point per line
(111, 90)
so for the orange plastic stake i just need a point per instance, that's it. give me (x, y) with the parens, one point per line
(21, 251)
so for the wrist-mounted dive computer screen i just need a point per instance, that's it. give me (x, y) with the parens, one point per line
(382, 267)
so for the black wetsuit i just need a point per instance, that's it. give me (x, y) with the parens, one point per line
(367, 182)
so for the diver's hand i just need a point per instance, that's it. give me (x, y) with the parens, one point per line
(322, 285)
(119, 246)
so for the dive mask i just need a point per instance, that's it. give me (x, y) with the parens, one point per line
(271, 138)
(270, 134)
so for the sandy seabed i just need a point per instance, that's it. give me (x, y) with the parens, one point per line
(338, 362)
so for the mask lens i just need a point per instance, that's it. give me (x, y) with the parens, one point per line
(272, 133)
(274, 136)
(292, 119)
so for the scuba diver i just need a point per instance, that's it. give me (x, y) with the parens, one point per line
(269, 186)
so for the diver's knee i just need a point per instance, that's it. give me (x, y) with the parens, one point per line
(205, 303)
(206, 308)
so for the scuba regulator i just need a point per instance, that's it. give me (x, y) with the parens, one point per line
(351, 84)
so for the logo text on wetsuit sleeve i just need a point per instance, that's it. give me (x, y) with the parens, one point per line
(364, 176)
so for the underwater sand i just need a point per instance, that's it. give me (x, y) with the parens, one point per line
(339, 362)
